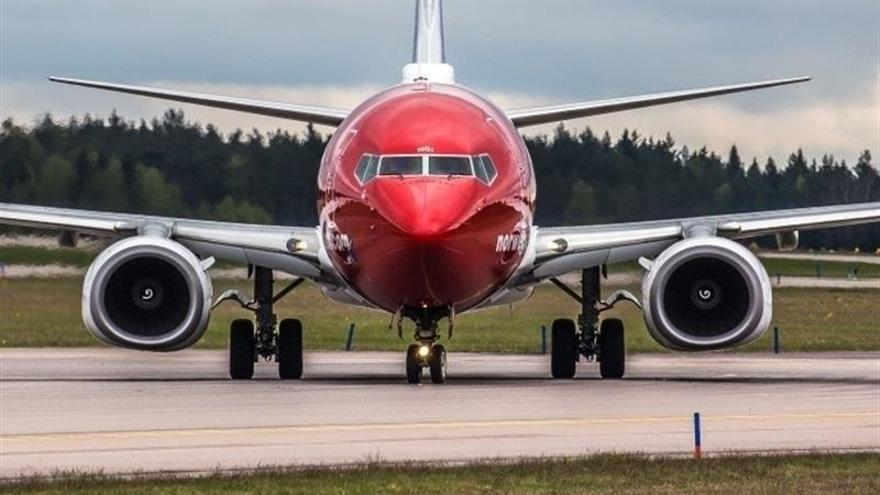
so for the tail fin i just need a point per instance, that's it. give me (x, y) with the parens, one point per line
(428, 46)
(429, 52)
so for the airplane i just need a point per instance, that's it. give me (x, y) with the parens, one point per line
(426, 207)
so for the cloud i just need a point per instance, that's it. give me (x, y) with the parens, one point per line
(842, 126)
(25, 102)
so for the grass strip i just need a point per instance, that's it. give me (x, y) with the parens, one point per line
(82, 257)
(818, 473)
(46, 313)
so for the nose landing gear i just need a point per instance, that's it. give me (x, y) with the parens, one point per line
(421, 356)
(426, 353)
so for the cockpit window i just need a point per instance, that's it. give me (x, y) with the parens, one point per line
(371, 166)
(449, 165)
(484, 168)
(372, 169)
(401, 165)
(366, 168)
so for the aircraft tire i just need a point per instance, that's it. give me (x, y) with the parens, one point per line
(563, 346)
(413, 365)
(241, 350)
(612, 349)
(437, 364)
(290, 349)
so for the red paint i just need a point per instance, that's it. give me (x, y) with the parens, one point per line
(428, 240)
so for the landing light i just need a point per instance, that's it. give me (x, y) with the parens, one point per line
(424, 351)
(296, 245)
(559, 245)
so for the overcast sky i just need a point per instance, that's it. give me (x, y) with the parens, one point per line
(521, 52)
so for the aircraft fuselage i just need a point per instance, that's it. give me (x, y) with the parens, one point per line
(426, 198)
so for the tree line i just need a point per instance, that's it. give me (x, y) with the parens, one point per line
(170, 166)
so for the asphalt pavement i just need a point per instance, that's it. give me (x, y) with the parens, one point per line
(121, 412)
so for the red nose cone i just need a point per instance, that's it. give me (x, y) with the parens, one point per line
(424, 207)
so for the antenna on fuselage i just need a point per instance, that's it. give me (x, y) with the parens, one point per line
(429, 51)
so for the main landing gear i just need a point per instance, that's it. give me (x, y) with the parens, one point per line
(592, 338)
(426, 353)
(264, 337)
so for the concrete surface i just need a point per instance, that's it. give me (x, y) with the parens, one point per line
(825, 282)
(870, 259)
(121, 411)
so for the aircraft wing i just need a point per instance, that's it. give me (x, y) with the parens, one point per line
(293, 250)
(318, 115)
(562, 250)
(544, 115)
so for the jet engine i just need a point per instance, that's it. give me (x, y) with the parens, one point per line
(706, 293)
(147, 293)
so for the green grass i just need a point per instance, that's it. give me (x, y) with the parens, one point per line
(46, 313)
(79, 257)
(75, 257)
(819, 474)
(27, 255)
(810, 268)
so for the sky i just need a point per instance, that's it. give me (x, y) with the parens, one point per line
(520, 53)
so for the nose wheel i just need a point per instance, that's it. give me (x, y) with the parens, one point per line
(437, 364)
(422, 356)
(426, 353)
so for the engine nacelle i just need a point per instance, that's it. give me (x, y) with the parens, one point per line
(706, 293)
(147, 293)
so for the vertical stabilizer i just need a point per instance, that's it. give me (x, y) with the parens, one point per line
(429, 52)
(428, 47)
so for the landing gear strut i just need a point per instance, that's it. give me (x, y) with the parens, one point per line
(251, 340)
(592, 338)
(426, 353)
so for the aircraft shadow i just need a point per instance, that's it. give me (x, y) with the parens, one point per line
(458, 380)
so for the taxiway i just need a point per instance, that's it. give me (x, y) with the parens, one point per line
(120, 411)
